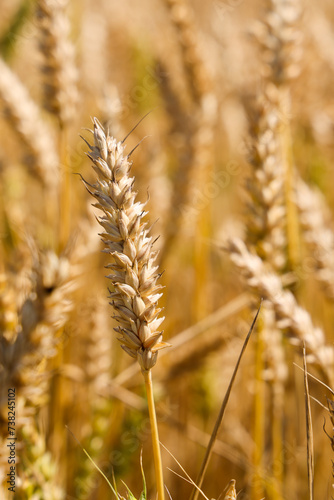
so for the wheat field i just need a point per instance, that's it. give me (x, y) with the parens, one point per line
(166, 169)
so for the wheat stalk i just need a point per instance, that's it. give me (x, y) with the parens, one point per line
(134, 274)
(266, 235)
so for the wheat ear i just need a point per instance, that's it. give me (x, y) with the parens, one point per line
(266, 211)
(60, 73)
(288, 313)
(24, 117)
(134, 275)
(32, 336)
(316, 221)
(28, 340)
(280, 41)
(195, 71)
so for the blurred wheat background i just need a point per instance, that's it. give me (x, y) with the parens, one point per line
(236, 167)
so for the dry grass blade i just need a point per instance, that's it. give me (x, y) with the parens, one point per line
(317, 379)
(309, 431)
(222, 411)
(187, 478)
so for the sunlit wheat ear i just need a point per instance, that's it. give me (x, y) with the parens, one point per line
(134, 274)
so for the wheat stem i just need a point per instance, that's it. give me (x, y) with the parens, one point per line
(292, 222)
(309, 431)
(259, 415)
(65, 192)
(155, 436)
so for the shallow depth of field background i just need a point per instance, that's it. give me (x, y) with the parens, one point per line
(129, 63)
